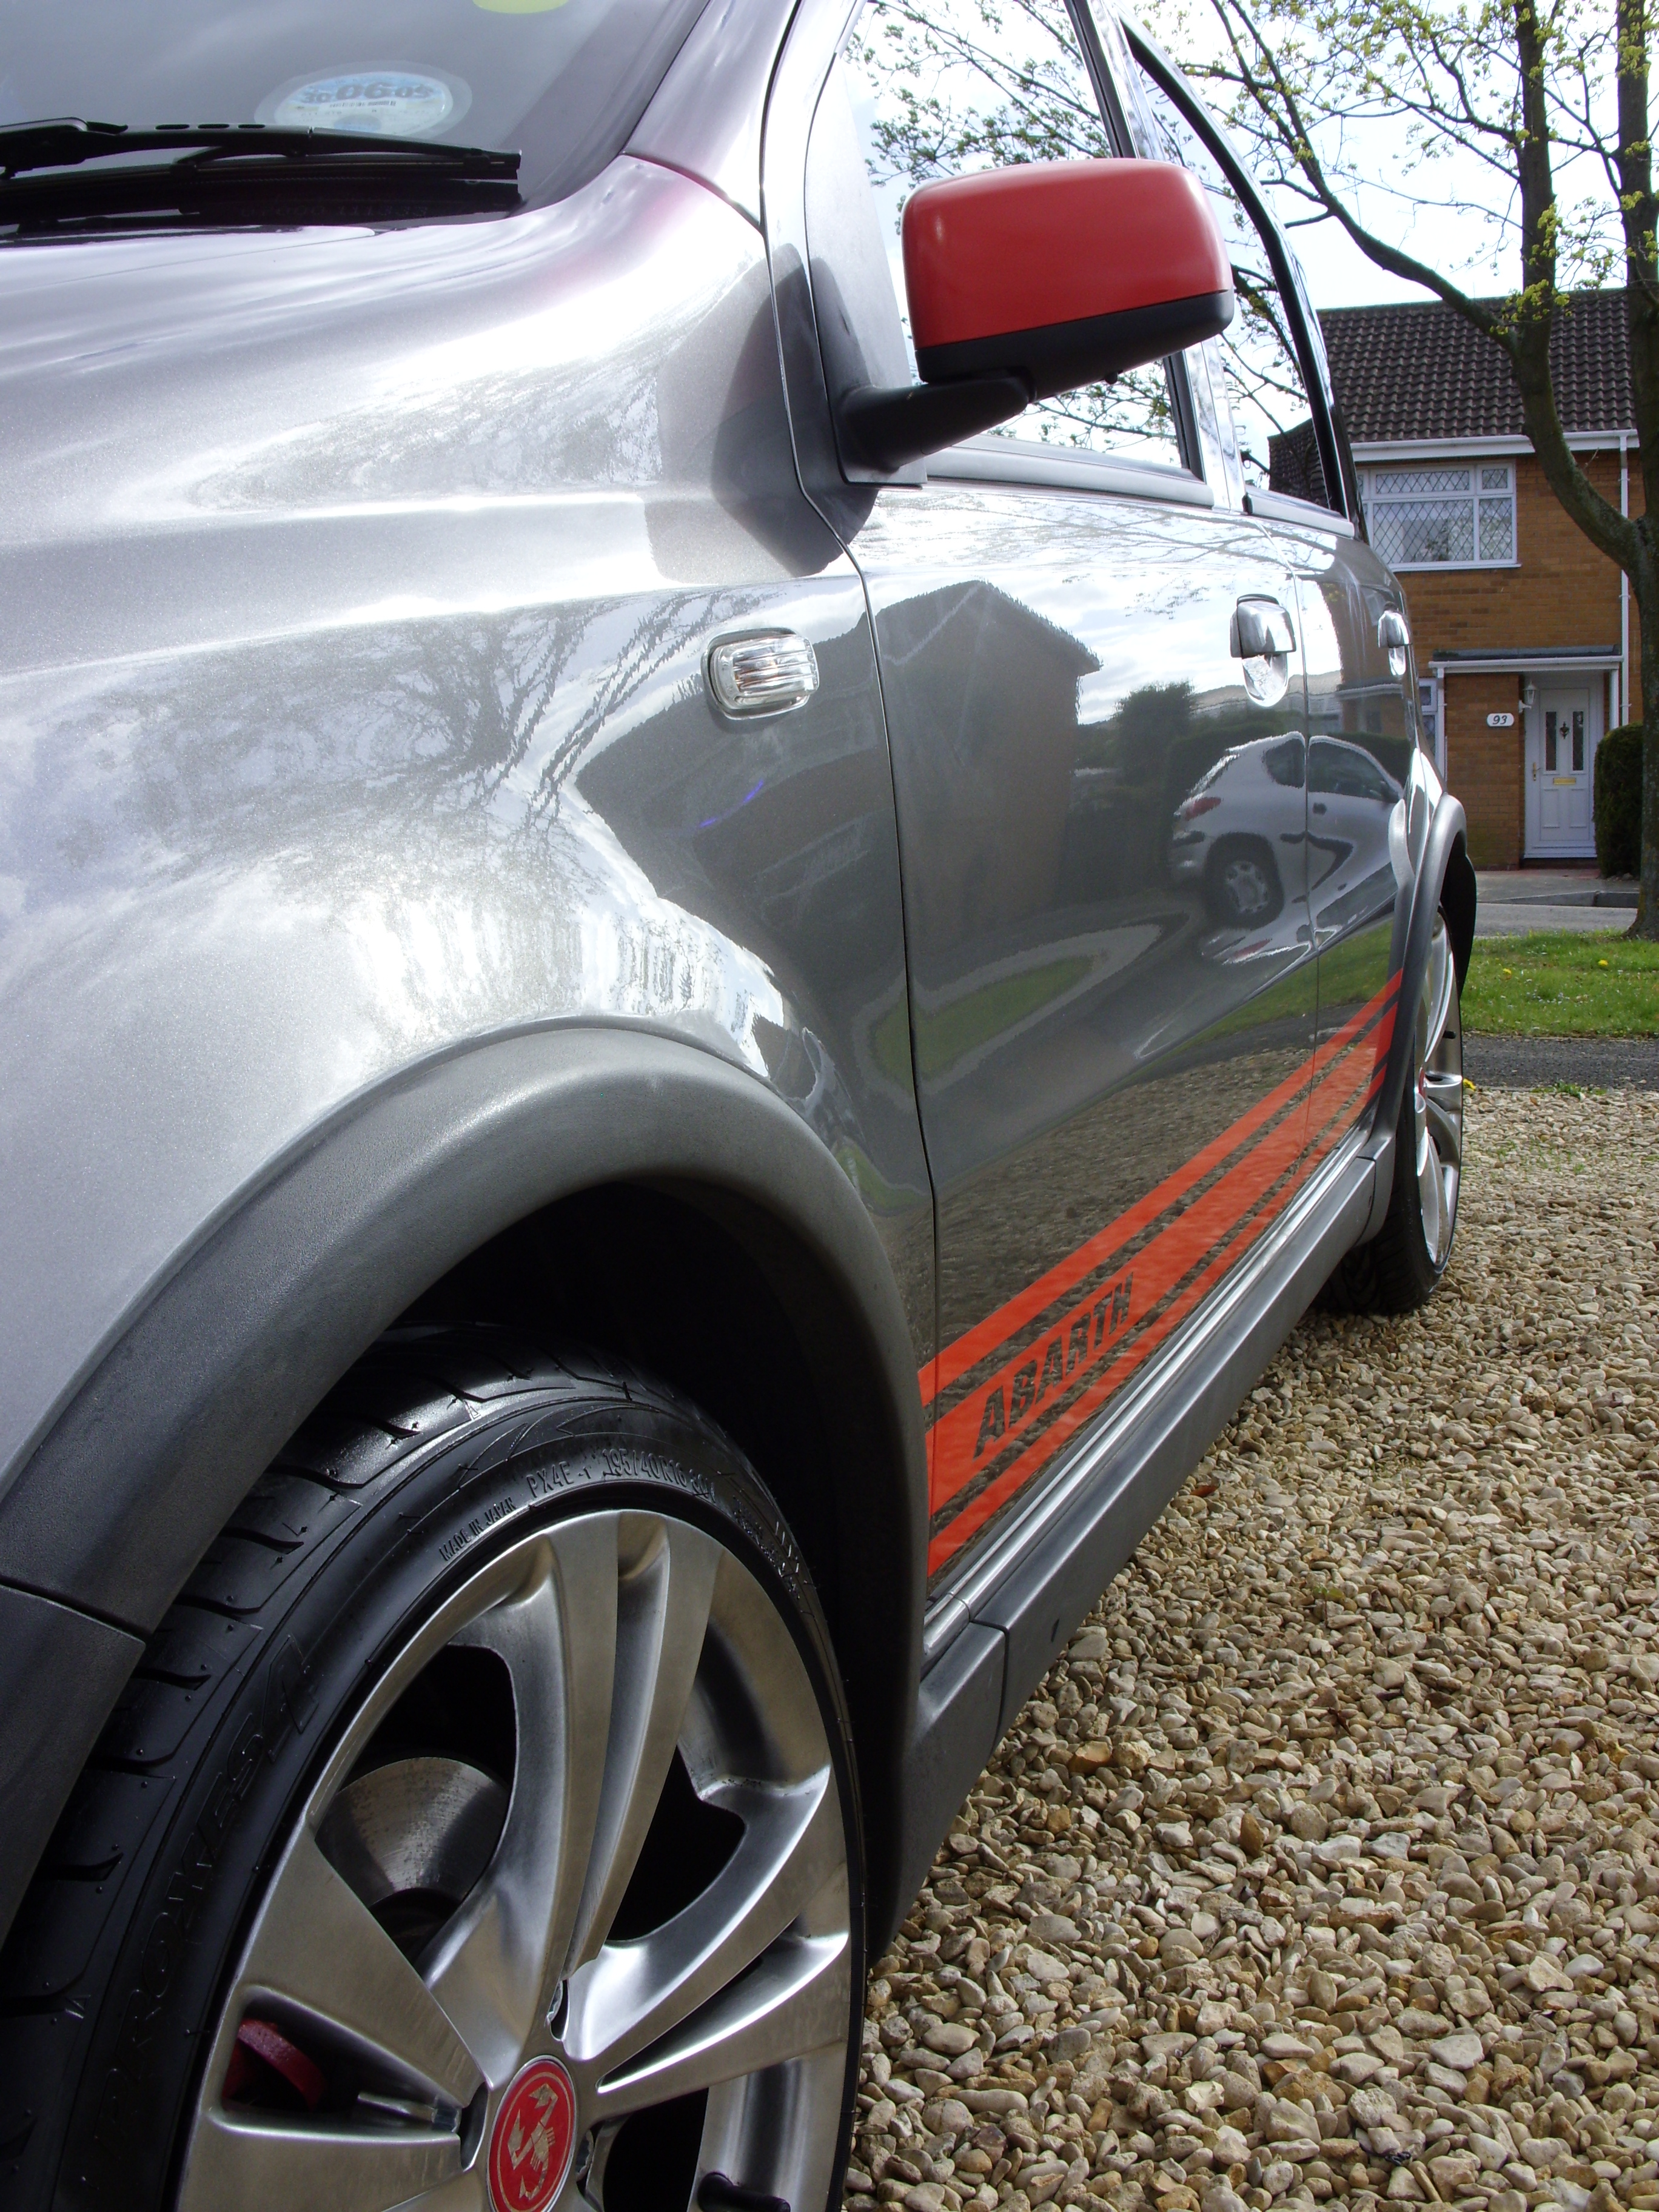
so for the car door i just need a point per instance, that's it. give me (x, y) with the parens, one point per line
(1073, 634)
(1368, 814)
(1362, 713)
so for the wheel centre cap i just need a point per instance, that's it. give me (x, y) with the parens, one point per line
(534, 2138)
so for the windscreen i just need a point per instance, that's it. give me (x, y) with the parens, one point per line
(561, 82)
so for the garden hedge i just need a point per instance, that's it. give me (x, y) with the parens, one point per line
(1618, 801)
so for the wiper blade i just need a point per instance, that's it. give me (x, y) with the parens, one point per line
(65, 141)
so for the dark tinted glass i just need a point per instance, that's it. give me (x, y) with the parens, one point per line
(1284, 764)
(562, 82)
(1272, 410)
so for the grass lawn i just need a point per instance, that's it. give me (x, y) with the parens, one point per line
(1557, 982)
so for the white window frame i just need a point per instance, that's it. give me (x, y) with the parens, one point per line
(1378, 471)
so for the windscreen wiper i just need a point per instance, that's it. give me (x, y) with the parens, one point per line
(59, 175)
(65, 141)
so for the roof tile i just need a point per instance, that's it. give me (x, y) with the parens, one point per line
(1419, 370)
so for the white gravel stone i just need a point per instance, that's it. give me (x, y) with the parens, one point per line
(1323, 1867)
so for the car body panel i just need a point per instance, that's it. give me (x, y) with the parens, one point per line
(374, 868)
(1370, 787)
(353, 708)
(1002, 1626)
(1056, 673)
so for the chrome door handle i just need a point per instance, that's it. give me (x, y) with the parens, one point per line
(1260, 636)
(1261, 630)
(763, 672)
(1393, 636)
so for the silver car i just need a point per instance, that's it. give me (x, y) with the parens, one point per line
(1246, 817)
(627, 1183)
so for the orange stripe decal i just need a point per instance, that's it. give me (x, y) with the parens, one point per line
(954, 1360)
(1101, 1314)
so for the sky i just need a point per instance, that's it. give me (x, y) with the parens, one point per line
(1441, 212)
(1340, 276)
(1452, 237)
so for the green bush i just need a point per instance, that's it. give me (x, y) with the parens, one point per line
(1618, 801)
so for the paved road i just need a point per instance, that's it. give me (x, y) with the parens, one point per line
(1505, 1063)
(1516, 900)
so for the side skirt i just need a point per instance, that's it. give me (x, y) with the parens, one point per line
(989, 1642)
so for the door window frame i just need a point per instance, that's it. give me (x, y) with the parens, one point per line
(815, 41)
(1334, 457)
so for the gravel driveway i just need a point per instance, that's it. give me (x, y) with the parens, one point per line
(1323, 1866)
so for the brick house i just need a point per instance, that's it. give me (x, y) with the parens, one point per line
(1522, 629)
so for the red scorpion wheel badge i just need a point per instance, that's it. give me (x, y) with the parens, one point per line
(533, 2139)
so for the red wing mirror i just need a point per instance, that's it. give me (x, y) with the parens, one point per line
(1030, 281)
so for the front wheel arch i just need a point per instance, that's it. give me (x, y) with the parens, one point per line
(224, 1360)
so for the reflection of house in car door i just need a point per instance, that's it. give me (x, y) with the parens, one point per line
(1521, 629)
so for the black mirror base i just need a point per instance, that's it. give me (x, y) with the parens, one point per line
(883, 427)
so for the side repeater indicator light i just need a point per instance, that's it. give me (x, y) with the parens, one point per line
(768, 672)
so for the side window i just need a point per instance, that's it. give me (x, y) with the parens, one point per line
(942, 88)
(1284, 764)
(1346, 772)
(1272, 410)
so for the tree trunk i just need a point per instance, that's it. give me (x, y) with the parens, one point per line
(1646, 923)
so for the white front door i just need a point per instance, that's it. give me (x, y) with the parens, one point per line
(1561, 732)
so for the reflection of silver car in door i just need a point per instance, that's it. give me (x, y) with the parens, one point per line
(1232, 825)
(1350, 799)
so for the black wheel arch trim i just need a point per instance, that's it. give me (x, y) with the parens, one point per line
(145, 1464)
(1444, 877)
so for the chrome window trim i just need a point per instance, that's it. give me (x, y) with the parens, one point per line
(1283, 507)
(1052, 468)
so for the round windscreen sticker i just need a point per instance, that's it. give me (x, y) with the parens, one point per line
(392, 103)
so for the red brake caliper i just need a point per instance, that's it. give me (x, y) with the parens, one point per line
(258, 2043)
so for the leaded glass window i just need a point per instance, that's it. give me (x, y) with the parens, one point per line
(1441, 515)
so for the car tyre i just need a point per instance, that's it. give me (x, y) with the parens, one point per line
(492, 1768)
(1397, 1271)
(1241, 885)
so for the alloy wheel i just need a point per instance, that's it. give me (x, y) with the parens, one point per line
(1437, 1114)
(565, 1919)
(1244, 882)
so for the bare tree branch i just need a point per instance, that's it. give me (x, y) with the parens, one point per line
(1522, 89)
